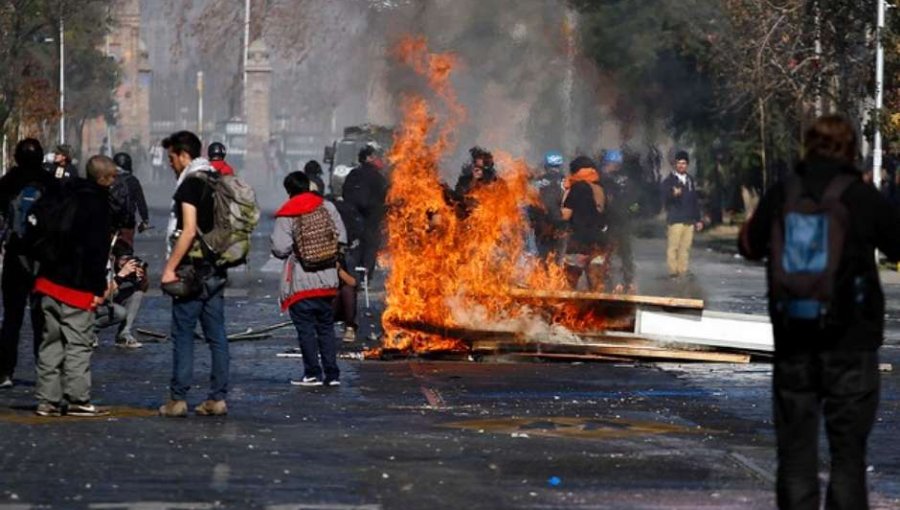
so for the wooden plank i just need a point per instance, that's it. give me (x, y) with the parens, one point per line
(659, 353)
(563, 295)
(639, 348)
(568, 356)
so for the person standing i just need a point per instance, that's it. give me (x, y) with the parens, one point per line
(131, 196)
(196, 286)
(62, 166)
(71, 286)
(622, 204)
(308, 289)
(584, 207)
(546, 219)
(216, 152)
(365, 193)
(818, 231)
(679, 191)
(20, 189)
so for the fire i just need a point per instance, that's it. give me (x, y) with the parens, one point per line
(449, 272)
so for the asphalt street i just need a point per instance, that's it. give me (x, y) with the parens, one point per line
(422, 434)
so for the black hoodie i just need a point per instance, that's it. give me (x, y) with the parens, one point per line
(873, 224)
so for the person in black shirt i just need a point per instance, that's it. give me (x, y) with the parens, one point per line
(19, 189)
(197, 288)
(828, 367)
(583, 207)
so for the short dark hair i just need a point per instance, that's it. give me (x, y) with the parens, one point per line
(365, 152)
(682, 156)
(29, 153)
(184, 141)
(296, 183)
(312, 168)
(831, 137)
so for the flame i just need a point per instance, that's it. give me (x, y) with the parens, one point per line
(448, 273)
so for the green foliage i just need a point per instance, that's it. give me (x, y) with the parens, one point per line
(29, 32)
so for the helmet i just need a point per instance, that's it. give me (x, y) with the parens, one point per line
(216, 151)
(612, 156)
(553, 159)
(122, 160)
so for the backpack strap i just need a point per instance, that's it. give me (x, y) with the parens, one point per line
(837, 186)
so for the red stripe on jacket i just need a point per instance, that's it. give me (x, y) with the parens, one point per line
(72, 297)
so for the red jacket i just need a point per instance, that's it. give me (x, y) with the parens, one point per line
(222, 167)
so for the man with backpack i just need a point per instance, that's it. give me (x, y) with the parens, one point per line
(308, 231)
(20, 189)
(584, 207)
(72, 243)
(127, 200)
(818, 231)
(196, 270)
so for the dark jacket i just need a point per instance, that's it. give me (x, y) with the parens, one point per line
(137, 202)
(12, 184)
(684, 208)
(546, 219)
(859, 301)
(85, 268)
(365, 193)
(622, 200)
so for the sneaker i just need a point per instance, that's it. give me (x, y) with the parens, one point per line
(48, 409)
(86, 410)
(349, 334)
(307, 381)
(331, 382)
(212, 408)
(174, 409)
(95, 342)
(128, 342)
(6, 382)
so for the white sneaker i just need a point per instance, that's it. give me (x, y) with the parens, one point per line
(6, 382)
(307, 381)
(349, 334)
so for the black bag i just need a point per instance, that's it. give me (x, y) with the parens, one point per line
(49, 229)
(806, 248)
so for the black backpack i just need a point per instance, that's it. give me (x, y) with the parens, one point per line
(806, 248)
(50, 228)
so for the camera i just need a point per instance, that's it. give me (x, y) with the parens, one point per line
(140, 263)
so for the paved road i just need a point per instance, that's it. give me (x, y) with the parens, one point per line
(423, 434)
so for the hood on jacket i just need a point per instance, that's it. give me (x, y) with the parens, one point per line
(300, 204)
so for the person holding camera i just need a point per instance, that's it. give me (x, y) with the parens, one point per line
(125, 295)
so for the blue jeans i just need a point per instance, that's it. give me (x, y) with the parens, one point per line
(314, 320)
(210, 310)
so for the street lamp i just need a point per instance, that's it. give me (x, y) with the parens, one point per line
(62, 80)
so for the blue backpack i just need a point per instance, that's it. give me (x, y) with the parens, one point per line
(806, 248)
(20, 208)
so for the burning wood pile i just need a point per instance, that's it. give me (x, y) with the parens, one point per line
(464, 283)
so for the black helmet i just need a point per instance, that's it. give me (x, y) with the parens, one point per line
(122, 160)
(216, 151)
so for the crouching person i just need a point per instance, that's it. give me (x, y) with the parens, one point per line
(307, 232)
(70, 288)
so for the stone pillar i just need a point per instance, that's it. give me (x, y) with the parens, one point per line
(257, 101)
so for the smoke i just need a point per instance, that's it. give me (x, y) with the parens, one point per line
(524, 82)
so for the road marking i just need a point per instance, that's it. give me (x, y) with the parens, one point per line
(753, 467)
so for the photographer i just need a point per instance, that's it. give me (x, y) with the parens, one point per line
(126, 292)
